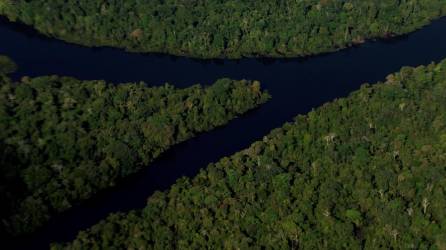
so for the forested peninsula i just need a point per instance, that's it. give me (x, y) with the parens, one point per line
(363, 172)
(224, 28)
(7, 66)
(62, 140)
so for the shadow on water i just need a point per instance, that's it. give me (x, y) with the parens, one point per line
(297, 86)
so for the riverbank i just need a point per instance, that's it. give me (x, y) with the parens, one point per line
(225, 29)
(297, 85)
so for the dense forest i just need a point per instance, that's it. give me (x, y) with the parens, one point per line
(363, 172)
(62, 139)
(224, 28)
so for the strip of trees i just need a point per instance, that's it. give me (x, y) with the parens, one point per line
(7, 66)
(224, 28)
(363, 172)
(62, 139)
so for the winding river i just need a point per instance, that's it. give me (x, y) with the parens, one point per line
(296, 85)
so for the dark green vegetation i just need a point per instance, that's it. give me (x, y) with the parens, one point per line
(7, 66)
(224, 28)
(363, 172)
(62, 140)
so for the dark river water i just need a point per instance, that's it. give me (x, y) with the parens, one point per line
(296, 86)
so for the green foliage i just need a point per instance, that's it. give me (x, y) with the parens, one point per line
(7, 66)
(363, 172)
(224, 28)
(62, 140)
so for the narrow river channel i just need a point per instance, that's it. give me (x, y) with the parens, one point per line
(296, 86)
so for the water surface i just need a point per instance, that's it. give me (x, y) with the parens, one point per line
(296, 85)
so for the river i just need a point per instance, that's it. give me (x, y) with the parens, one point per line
(296, 86)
